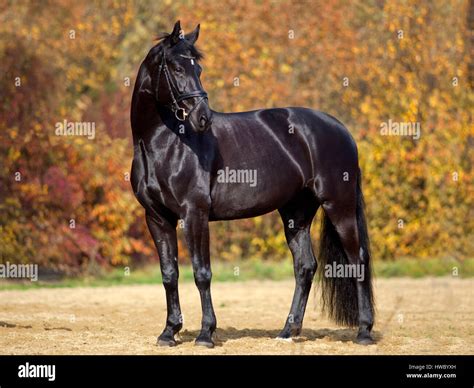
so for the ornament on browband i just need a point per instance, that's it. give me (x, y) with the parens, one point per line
(188, 57)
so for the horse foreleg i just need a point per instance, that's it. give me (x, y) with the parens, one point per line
(196, 231)
(164, 236)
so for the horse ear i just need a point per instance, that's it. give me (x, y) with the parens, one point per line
(176, 35)
(193, 36)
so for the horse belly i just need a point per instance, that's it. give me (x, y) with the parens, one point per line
(249, 193)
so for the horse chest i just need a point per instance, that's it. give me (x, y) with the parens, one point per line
(168, 179)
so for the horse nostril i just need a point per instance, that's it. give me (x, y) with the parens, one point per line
(203, 121)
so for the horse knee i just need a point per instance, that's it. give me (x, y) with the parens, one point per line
(170, 278)
(307, 270)
(202, 277)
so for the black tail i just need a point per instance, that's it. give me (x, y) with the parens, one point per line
(339, 294)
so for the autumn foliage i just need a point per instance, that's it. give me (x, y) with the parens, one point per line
(66, 202)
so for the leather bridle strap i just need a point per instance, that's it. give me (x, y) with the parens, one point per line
(176, 97)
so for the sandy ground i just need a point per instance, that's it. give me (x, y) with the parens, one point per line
(426, 316)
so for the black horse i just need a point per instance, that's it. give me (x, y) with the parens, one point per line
(198, 165)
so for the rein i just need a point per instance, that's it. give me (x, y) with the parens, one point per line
(176, 96)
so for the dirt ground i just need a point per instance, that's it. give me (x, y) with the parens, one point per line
(414, 316)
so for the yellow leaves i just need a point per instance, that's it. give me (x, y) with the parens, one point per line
(391, 49)
(91, 82)
(113, 73)
(285, 68)
(365, 107)
(79, 141)
(116, 26)
(89, 147)
(35, 32)
(232, 252)
(433, 100)
(75, 72)
(412, 111)
(13, 154)
(128, 17)
(259, 244)
(264, 54)
(256, 72)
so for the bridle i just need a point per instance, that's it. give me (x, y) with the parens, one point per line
(176, 96)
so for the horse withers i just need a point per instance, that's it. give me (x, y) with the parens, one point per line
(198, 165)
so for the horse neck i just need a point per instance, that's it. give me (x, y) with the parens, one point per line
(144, 114)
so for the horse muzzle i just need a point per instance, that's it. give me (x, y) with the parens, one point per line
(201, 118)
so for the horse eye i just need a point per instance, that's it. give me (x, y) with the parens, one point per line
(179, 70)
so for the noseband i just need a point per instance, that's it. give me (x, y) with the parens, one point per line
(176, 96)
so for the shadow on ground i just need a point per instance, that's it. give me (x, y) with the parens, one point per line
(231, 333)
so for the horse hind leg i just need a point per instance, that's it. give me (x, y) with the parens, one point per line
(344, 240)
(297, 216)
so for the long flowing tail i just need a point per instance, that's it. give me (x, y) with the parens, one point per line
(339, 294)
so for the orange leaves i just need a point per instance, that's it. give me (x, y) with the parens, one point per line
(401, 61)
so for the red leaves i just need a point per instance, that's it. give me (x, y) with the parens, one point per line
(63, 190)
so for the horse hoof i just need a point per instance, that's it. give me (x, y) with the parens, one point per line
(207, 344)
(166, 342)
(178, 339)
(365, 339)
